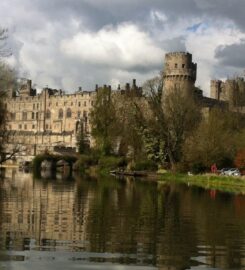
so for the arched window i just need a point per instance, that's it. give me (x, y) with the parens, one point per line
(60, 113)
(68, 113)
(48, 114)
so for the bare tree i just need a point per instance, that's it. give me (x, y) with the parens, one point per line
(169, 123)
(8, 83)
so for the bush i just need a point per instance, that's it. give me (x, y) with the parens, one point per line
(144, 165)
(84, 162)
(112, 162)
(197, 168)
(181, 167)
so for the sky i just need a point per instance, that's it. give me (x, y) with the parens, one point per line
(65, 44)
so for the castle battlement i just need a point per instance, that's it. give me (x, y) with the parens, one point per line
(178, 54)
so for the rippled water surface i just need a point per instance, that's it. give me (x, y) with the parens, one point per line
(106, 223)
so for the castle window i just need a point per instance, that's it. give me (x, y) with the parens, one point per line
(56, 103)
(33, 115)
(92, 103)
(48, 114)
(24, 116)
(37, 106)
(176, 65)
(78, 114)
(84, 114)
(60, 114)
(33, 126)
(68, 113)
(20, 126)
(183, 65)
(25, 126)
(34, 106)
(13, 116)
(84, 103)
(71, 103)
(79, 104)
(37, 115)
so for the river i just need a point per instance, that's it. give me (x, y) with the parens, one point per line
(117, 224)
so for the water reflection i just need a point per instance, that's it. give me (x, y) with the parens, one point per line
(117, 224)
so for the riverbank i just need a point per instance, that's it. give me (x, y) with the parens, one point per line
(207, 181)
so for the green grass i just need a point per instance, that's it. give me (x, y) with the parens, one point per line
(223, 183)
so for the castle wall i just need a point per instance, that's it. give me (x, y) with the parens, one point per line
(231, 91)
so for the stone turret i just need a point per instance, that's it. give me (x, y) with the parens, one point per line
(179, 73)
(215, 89)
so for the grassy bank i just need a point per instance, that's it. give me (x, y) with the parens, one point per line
(208, 181)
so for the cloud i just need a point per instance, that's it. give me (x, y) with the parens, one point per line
(124, 47)
(67, 43)
(232, 55)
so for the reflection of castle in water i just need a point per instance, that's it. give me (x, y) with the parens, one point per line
(142, 223)
(45, 212)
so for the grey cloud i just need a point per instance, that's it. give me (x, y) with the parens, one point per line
(39, 26)
(232, 55)
(97, 13)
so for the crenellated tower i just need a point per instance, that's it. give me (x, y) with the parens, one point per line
(179, 73)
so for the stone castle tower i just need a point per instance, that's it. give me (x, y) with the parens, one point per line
(179, 73)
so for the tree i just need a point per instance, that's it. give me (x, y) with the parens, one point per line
(170, 121)
(103, 120)
(214, 141)
(82, 140)
(8, 84)
(182, 117)
(128, 137)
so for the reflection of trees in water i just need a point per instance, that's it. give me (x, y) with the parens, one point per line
(221, 229)
(164, 225)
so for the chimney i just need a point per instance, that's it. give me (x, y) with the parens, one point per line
(28, 83)
(127, 87)
(80, 89)
(134, 82)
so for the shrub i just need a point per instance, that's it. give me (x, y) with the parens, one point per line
(112, 162)
(144, 165)
(197, 168)
(84, 162)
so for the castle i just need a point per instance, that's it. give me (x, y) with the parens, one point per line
(52, 119)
